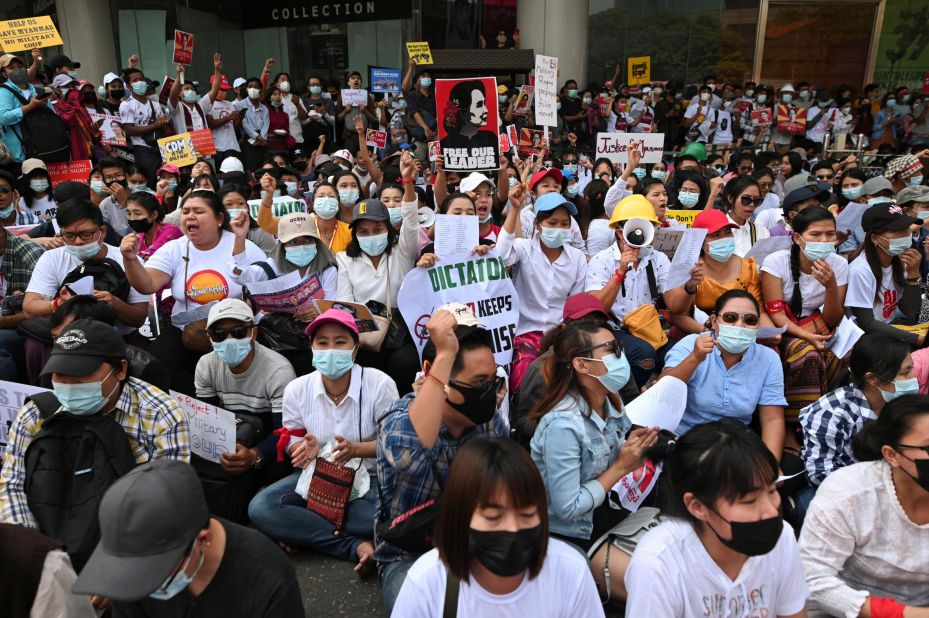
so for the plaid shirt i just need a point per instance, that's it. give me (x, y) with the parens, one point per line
(750, 127)
(19, 260)
(829, 425)
(406, 470)
(154, 423)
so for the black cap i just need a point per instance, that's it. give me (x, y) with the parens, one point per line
(299, 151)
(887, 216)
(82, 347)
(370, 210)
(56, 62)
(803, 194)
(71, 189)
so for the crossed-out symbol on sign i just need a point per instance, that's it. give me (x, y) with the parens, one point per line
(420, 329)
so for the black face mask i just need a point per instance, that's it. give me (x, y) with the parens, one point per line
(301, 165)
(117, 94)
(480, 403)
(922, 472)
(243, 92)
(89, 97)
(124, 183)
(753, 538)
(505, 554)
(140, 226)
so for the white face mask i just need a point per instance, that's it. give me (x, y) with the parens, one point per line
(284, 86)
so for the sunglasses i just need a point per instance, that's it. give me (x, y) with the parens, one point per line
(236, 332)
(731, 317)
(613, 347)
(747, 200)
(825, 176)
(924, 449)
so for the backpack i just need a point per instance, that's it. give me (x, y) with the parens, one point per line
(42, 133)
(70, 464)
(279, 331)
(108, 276)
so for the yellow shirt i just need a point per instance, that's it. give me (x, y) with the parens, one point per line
(710, 290)
(341, 236)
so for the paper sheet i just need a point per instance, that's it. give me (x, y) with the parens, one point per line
(766, 246)
(683, 249)
(660, 406)
(766, 332)
(456, 234)
(84, 285)
(184, 318)
(845, 337)
(212, 429)
(288, 293)
(850, 218)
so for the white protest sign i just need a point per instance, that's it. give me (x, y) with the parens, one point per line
(660, 406)
(546, 77)
(613, 146)
(12, 397)
(280, 206)
(480, 282)
(354, 96)
(456, 234)
(682, 246)
(212, 429)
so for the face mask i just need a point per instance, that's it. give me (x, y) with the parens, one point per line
(191, 96)
(301, 165)
(571, 167)
(253, 92)
(906, 98)
(573, 190)
(97, 187)
(276, 104)
(891, 102)
(396, 216)
(277, 193)
(846, 111)
(712, 87)
(333, 363)
(505, 553)
(234, 212)
(659, 175)
(38, 185)
(173, 586)
(876, 200)
(735, 339)
(804, 94)
(19, 76)
(316, 89)
(753, 538)
(140, 226)
(488, 218)
(139, 88)
(762, 98)
(291, 188)
(553, 237)
(300, 255)
(284, 86)
(232, 351)
(348, 196)
(6, 212)
(639, 172)
(587, 100)
(688, 199)
(118, 94)
(818, 250)
(425, 82)
(749, 93)
(373, 245)
(916, 181)
(401, 104)
(101, 91)
(896, 246)
(512, 182)
(83, 252)
(903, 387)
(479, 404)
(82, 399)
(704, 96)
(924, 215)
(572, 93)
(922, 472)
(617, 372)
(852, 193)
(325, 207)
(172, 185)
(787, 98)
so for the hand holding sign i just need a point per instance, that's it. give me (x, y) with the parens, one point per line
(441, 327)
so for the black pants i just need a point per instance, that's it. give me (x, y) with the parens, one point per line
(401, 364)
(169, 348)
(252, 156)
(149, 160)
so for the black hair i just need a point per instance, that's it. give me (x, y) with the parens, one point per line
(469, 338)
(78, 209)
(147, 201)
(796, 162)
(764, 159)
(761, 172)
(874, 263)
(104, 163)
(736, 187)
(895, 421)
(443, 207)
(879, 355)
(728, 295)
(825, 164)
(460, 99)
(25, 190)
(643, 185)
(210, 177)
(214, 201)
(697, 178)
(801, 221)
(604, 161)
(854, 172)
(7, 176)
(81, 307)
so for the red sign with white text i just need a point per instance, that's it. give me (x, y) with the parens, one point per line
(69, 170)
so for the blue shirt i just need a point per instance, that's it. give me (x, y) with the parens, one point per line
(256, 120)
(11, 116)
(714, 392)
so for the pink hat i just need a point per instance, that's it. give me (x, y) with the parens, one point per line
(171, 169)
(333, 316)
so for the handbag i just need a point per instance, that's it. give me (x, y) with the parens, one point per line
(375, 339)
(645, 321)
(412, 530)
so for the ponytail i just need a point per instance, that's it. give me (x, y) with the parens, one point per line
(796, 300)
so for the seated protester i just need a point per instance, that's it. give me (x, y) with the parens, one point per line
(742, 197)
(339, 405)
(914, 201)
(244, 377)
(188, 110)
(325, 206)
(161, 554)
(453, 204)
(115, 182)
(804, 290)
(724, 544)
(580, 445)
(421, 434)
(10, 211)
(482, 191)
(887, 254)
(620, 189)
(797, 201)
(198, 267)
(350, 191)
(89, 377)
(146, 219)
(205, 182)
(689, 191)
(391, 195)
(728, 374)
(235, 200)
(599, 234)
(881, 370)
(492, 541)
(544, 182)
(35, 190)
(627, 278)
(765, 177)
(852, 565)
(848, 189)
(291, 181)
(873, 191)
(545, 270)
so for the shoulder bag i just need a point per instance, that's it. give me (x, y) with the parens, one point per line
(645, 321)
(374, 340)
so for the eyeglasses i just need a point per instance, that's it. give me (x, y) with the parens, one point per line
(748, 200)
(825, 176)
(748, 169)
(613, 347)
(924, 449)
(731, 317)
(86, 236)
(236, 332)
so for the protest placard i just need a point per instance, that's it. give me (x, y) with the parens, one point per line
(288, 293)
(523, 100)
(203, 142)
(791, 119)
(354, 96)
(376, 138)
(480, 282)
(111, 130)
(504, 142)
(12, 398)
(546, 76)
(513, 136)
(455, 234)
(177, 150)
(364, 319)
(183, 48)
(419, 51)
(435, 149)
(165, 89)
(280, 206)
(69, 170)
(639, 70)
(635, 486)
(385, 80)
(614, 146)
(29, 33)
(530, 141)
(467, 121)
(686, 217)
(212, 429)
(761, 116)
(682, 246)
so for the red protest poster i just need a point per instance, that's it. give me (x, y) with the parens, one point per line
(530, 142)
(376, 138)
(512, 134)
(523, 103)
(504, 142)
(466, 110)
(791, 119)
(165, 90)
(69, 170)
(761, 116)
(203, 142)
(183, 48)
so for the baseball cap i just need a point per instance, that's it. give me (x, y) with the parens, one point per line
(223, 82)
(887, 216)
(554, 172)
(696, 150)
(803, 180)
(148, 520)
(802, 194)
(873, 186)
(333, 316)
(502, 89)
(426, 216)
(295, 225)
(913, 194)
(903, 167)
(344, 154)
(551, 201)
(6, 59)
(582, 305)
(463, 314)
(369, 210)
(231, 164)
(71, 189)
(31, 165)
(109, 77)
(56, 62)
(713, 220)
(230, 309)
(633, 207)
(170, 168)
(238, 82)
(473, 180)
(82, 347)
(62, 79)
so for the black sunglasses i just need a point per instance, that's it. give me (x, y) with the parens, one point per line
(237, 332)
(748, 200)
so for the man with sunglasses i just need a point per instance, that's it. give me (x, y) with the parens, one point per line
(800, 191)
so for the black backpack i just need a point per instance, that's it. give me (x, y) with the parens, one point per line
(70, 464)
(42, 133)
(108, 276)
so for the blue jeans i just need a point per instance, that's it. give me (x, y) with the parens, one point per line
(393, 574)
(803, 498)
(12, 347)
(281, 513)
(642, 357)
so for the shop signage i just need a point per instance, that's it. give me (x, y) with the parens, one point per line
(272, 13)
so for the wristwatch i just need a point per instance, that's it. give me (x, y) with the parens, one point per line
(259, 460)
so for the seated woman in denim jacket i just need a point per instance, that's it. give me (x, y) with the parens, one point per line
(579, 445)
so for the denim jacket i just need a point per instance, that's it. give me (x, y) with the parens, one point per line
(571, 447)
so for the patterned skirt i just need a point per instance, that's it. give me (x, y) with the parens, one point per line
(807, 373)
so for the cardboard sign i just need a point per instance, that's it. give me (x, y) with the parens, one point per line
(385, 80)
(280, 206)
(791, 119)
(761, 116)
(466, 110)
(203, 142)
(685, 217)
(530, 141)
(30, 33)
(376, 138)
(111, 130)
(480, 282)
(504, 143)
(177, 150)
(212, 429)
(614, 146)
(12, 398)
(354, 97)
(639, 70)
(183, 48)
(546, 100)
(69, 170)
(419, 51)
(523, 100)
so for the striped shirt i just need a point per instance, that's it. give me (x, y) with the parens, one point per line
(829, 425)
(153, 422)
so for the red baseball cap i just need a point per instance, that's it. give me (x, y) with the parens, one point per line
(554, 172)
(333, 316)
(713, 220)
(582, 305)
(223, 84)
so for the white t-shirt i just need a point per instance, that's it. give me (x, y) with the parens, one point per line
(603, 265)
(599, 236)
(131, 111)
(722, 132)
(862, 286)
(671, 574)
(769, 217)
(563, 588)
(224, 136)
(290, 108)
(42, 207)
(208, 274)
(197, 122)
(811, 290)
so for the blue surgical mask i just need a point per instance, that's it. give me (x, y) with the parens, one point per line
(512, 181)
(232, 351)
(348, 196)
(300, 255)
(553, 237)
(572, 93)
(173, 585)
(82, 399)
(83, 252)
(373, 245)
(571, 167)
(721, 250)
(489, 218)
(172, 185)
(191, 96)
(818, 250)
(316, 89)
(659, 175)
(291, 188)
(762, 98)
(852, 193)
(639, 172)
(396, 215)
(922, 214)
(6, 212)
(787, 98)
(101, 92)
(140, 88)
(573, 190)
(425, 82)
(39, 185)
(903, 387)
(235, 212)
(915, 181)
(688, 199)
(98, 187)
(891, 103)
(277, 193)
(896, 246)
(325, 207)
(735, 339)
(333, 363)
(617, 372)
(877, 200)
